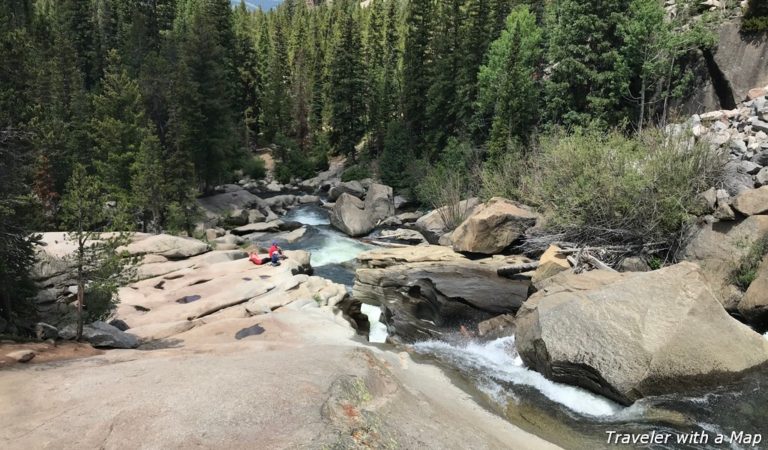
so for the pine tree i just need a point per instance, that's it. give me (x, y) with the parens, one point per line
(97, 268)
(508, 91)
(205, 117)
(276, 102)
(417, 70)
(16, 157)
(347, 76)
(149, 190)
(248, 72)
(300, 80)
(77, 19)
(588, 82)
(118, 127)
(476, 37)
(443, 106)
(375, 48)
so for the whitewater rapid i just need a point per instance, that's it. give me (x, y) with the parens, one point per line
(496, 363)
(327, 246)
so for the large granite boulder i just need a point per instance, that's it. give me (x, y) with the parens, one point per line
(356, 217)
(379, 202)
(429, 299)
(551, 263)
(235, 199)
(718, 247)
(752, 202)
(754, 306)
(628, 336)
(102, 334)
(353, 188)
(171, 247)
(492, 227)
(432, 225)
(385, 257)
(349, 216)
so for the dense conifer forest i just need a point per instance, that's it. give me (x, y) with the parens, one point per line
(147, 104)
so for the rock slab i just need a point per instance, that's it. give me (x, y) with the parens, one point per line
(492, 227)
(628, 336)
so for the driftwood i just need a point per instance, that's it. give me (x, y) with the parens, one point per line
(506, 271)
(598, 264)
(385, 244)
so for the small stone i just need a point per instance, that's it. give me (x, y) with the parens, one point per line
(761, 158)
(762, 177)
(708, 199)
(44, 331)
(759, 125)
(755, 93)
(723, 197)
(724, 212)
(738, 145)
(21, 356)
(750, 167)
(498, 327)
(634, 264)
(712, 116)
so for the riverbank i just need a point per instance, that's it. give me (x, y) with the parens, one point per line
(306, 381)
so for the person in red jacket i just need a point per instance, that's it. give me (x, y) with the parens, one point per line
(275, 254)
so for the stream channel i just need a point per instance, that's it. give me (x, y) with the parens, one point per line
(568, 416)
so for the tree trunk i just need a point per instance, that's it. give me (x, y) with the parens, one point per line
(80, 298)
(642, 106)
(667, 93)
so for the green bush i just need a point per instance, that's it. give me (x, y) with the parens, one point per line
(746, 272)
(607, 187)
(502, 175)
(357, 172)
(394, 159)
(755, 24)
(293, 163)
(255, 168)
(755, 17)
(450, 181)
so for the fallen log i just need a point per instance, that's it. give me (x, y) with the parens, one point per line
(506, 271)
(598, 264)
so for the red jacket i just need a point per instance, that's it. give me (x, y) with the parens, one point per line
(274, 249)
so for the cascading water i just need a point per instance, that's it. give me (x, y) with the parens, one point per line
(496, 363)
(566, 415)
(333, 257)
(333, 254)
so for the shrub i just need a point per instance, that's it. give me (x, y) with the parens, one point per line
(503, 175)
(452, 180)
(755, 17)
(746, 272)
(609, 188)
(356, 172)
(255, 168)
(394, 159)
(292, 162)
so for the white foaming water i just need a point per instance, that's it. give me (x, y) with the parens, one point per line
(378, 332)
(308, 216)
(498, 361)
(336, 249)
(766, 335)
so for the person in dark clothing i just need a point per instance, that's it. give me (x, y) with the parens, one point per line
(275, 254)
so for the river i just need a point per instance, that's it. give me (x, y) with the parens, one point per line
(568, 416)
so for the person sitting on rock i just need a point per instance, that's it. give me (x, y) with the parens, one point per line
(275, 254)
(254, 258)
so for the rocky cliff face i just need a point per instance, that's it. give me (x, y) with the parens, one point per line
(736, 65)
